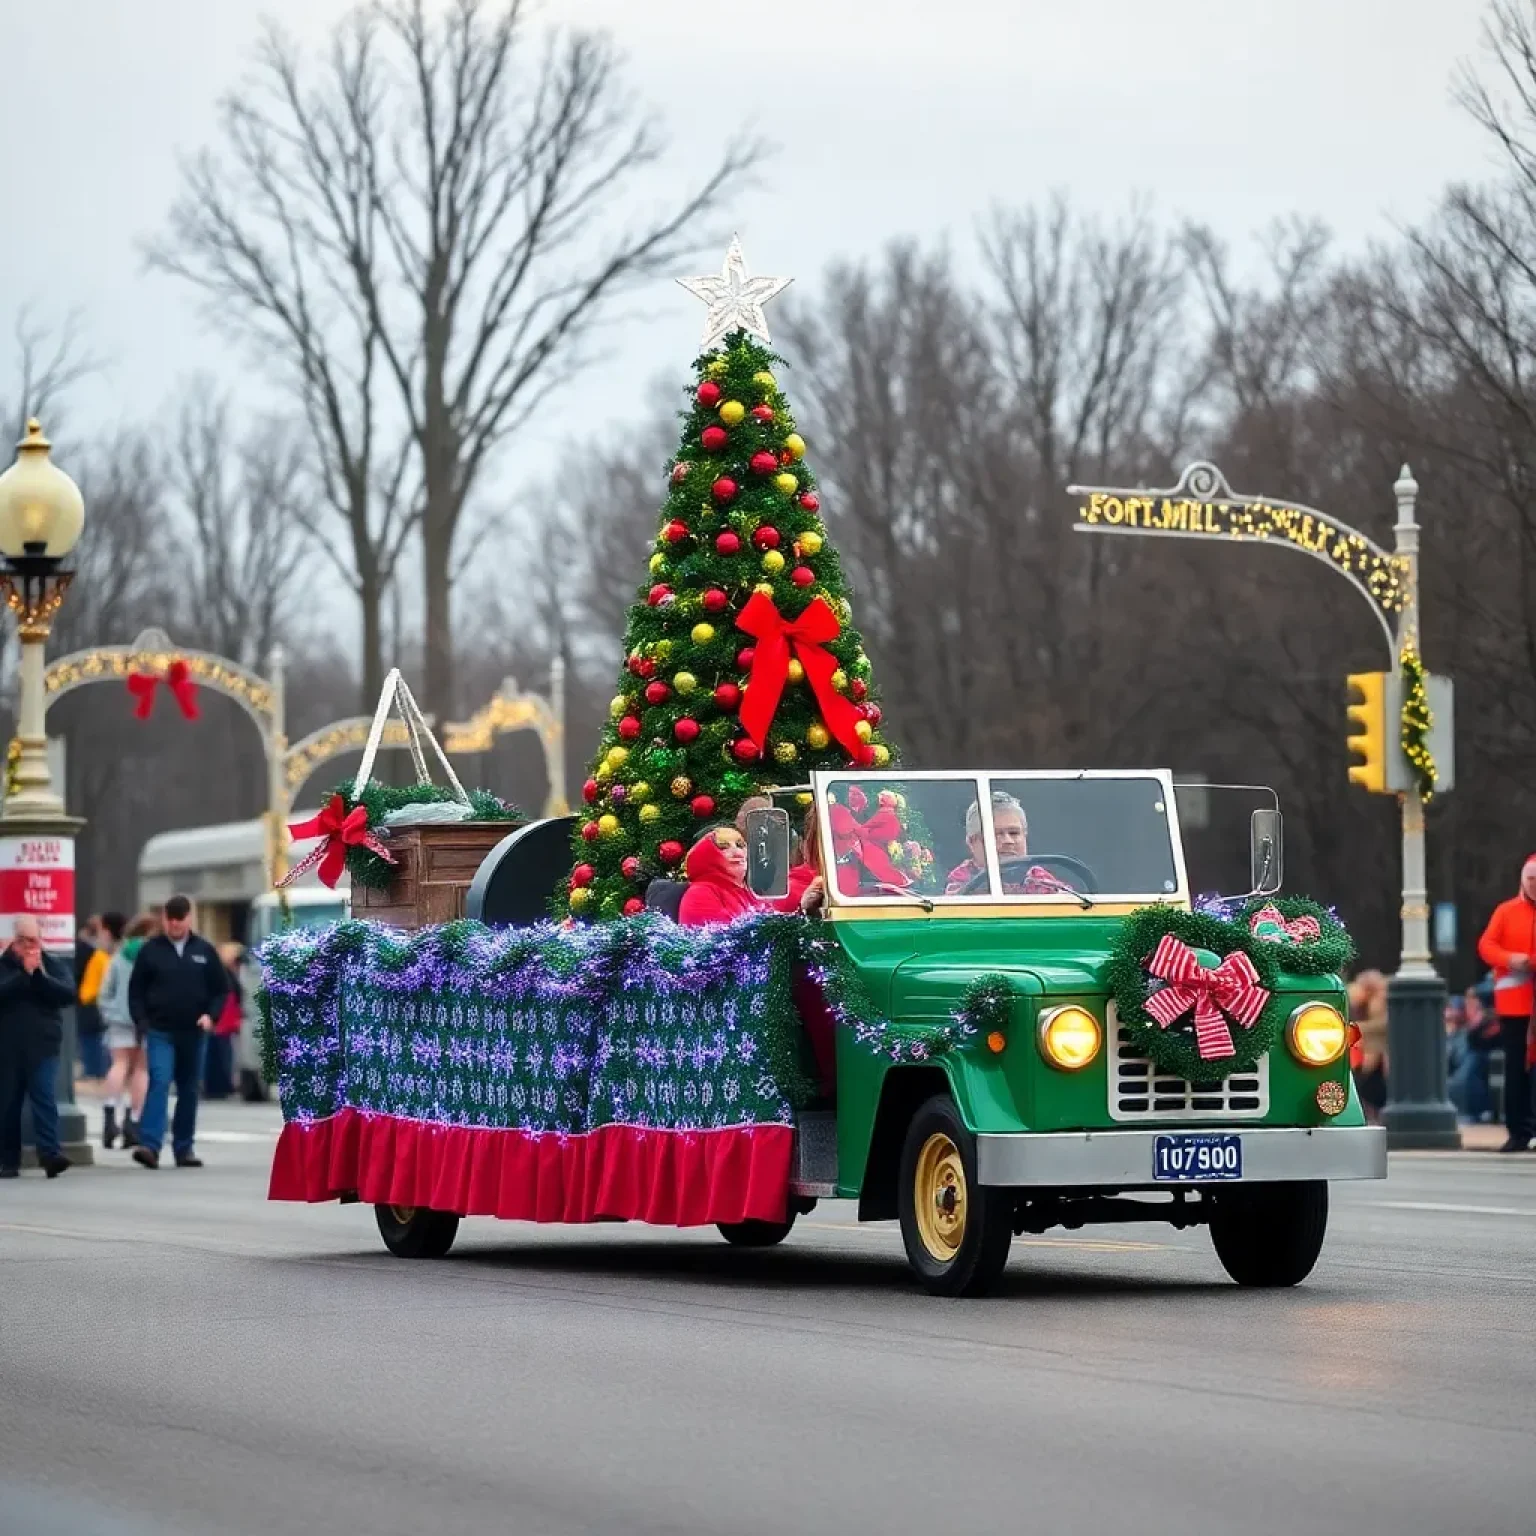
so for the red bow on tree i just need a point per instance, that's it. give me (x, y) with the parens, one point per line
(1230, 990)
(805, 637)
(866, 840)
(341, 829)
(178, 678)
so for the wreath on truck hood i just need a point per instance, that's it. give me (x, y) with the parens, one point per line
(1198, 994)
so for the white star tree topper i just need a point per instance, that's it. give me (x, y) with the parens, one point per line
(735, 300)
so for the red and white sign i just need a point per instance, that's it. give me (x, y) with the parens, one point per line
(37, 879)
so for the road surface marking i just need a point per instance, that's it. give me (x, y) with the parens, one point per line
(1458, 1210)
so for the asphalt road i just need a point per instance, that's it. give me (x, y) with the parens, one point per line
(179, 1357)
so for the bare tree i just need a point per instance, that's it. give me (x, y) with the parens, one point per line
(49, 361)
(450, 191)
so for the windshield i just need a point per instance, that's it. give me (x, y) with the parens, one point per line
(988, 837)
(267, 919)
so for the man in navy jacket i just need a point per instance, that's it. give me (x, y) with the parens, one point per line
(34, 989)
(176, 991)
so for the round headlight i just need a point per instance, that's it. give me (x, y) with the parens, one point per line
(1317, 1034)
(1069, 1037)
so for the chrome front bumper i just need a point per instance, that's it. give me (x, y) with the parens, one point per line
(1123, 1159)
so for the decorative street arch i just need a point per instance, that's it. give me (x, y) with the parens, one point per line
(510, 709)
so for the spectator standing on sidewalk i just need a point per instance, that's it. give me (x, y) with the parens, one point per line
(176, 991)
(34, 991)
(1508, 945)
(90, 971)
(123, 1092)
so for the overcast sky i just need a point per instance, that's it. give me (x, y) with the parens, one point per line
(893, 117)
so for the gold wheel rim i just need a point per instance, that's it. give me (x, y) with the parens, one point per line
(939, 1197)
(404, 1214)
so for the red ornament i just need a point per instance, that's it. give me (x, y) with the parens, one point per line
(680, 472)
(810, 501)
(589, 831)
(686, 729)
(633, 907)
(727, 543)
(703, 806)
(676, 531)
(583, 874)
(802, 575)
(763, 412)
(658, 594)
(715, 600)
(723, 490)
(727, 695)
(714, 439)
(766, 537)
(708, 394)
(670, 851)
(745, 657)
(657, 692)
(745, 749)
(785, 456)
(630, 867)
(589, 791)
(872, 713)
(629, 728)
(762, 463)
(644, 667)
(858, 687)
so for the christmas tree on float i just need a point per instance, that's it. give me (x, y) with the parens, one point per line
(742, 670)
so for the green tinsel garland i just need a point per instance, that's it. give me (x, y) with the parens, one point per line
(364, 866)
(1173, 1050)
(1416, 722)
(266, 1041)
(1330, 954)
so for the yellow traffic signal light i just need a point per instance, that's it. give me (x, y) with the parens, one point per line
(1369, 742)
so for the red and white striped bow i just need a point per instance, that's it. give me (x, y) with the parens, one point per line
(1229, 991)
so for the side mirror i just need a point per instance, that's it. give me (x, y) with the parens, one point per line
(767, 834)
(1266, 852)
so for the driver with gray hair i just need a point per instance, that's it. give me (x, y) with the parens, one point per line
(1010, 827)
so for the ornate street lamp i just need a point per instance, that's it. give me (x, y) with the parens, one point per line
(41, 515)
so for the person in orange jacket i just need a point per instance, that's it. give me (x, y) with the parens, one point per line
(1508, 944)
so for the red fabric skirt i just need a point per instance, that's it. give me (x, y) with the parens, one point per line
(668, 1177)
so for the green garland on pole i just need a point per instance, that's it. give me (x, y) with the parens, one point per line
(1416, 721)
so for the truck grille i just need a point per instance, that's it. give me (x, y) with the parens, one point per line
(1137, 1091)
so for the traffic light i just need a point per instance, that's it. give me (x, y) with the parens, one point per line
(1369, 741)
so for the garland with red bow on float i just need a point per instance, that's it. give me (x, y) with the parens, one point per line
(1203, 1020)
(177, 677)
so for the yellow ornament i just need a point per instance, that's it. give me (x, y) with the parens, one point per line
(617, 705)
(657, 561)
(717, 366)
(773, 561)
(816, 737)
(840, 680)
(662, 650)
(649, 813)
(682, 787)
(794, 445)
(608, 824)
(579, 898)
(765, 587)
(685, 683)
(794, 671)
(803, 799)
(640, 792)
(787, 483)
(863, 730)
(882, 756)
(602, 773)
(703, 633)
(732, 412)
(765, 380)
(617, 756)
(785, 751)
(810, 542)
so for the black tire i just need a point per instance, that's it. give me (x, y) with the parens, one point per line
(410, 1232)
(962, 1248)
(754, 1234)
(1270, 1234)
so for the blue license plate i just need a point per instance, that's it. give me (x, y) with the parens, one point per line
(1191, 1159)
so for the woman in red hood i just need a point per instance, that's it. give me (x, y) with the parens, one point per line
(717, 892)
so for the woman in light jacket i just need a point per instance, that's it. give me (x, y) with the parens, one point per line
(129, 1078)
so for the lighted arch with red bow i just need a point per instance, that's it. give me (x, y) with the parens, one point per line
(177, 678)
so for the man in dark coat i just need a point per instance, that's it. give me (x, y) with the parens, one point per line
(34, 990)
(176, 991)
